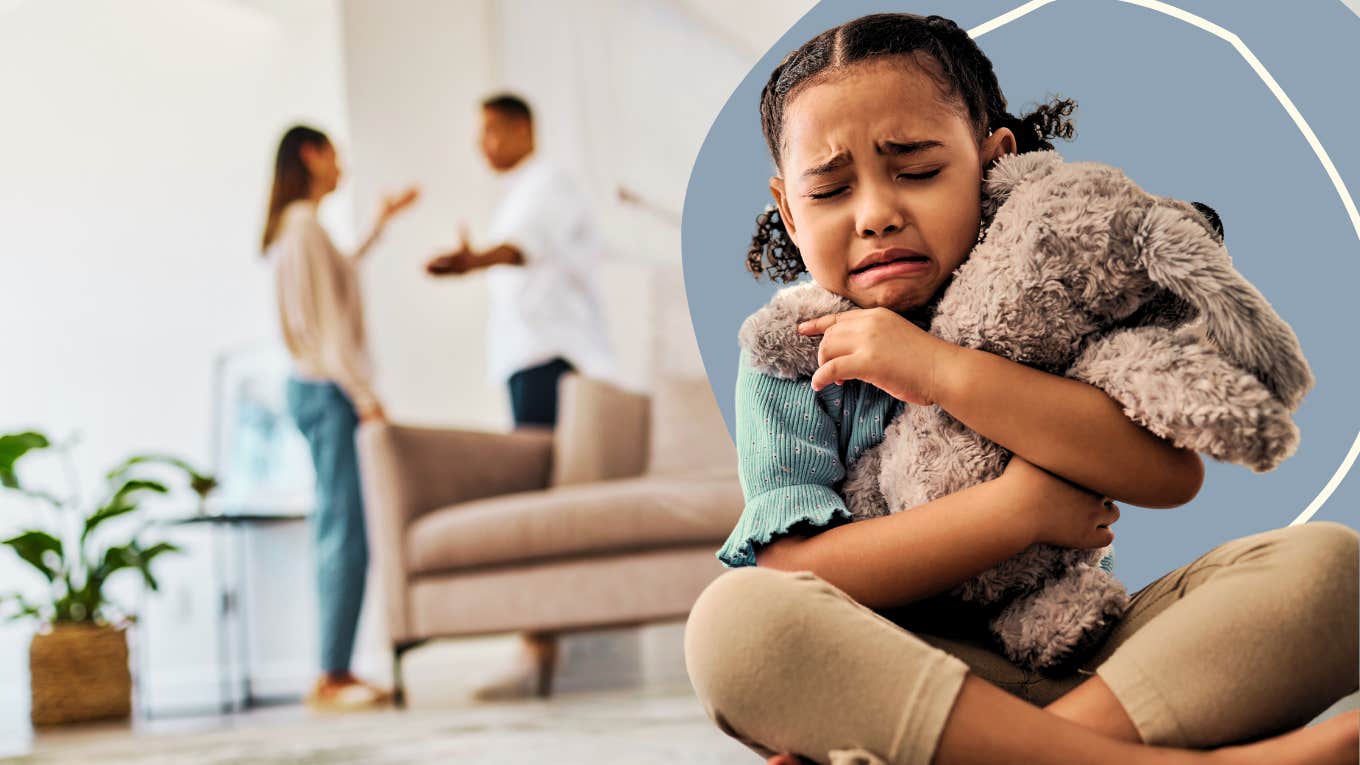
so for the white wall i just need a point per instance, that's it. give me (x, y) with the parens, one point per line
(137, 154)
(414, 74)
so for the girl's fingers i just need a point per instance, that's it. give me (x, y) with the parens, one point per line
(821, 324)
(833, 345)
(833, 372)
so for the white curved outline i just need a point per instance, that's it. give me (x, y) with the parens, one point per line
(1299, 122)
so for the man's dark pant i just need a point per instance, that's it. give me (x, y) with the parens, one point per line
(533, 393)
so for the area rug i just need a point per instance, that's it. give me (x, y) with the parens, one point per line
(610, 728)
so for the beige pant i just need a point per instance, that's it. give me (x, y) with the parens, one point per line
(1258, 636)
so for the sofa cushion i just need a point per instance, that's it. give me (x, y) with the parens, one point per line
(601, 432)
(687, 429)
(643, 513)
(563, 593)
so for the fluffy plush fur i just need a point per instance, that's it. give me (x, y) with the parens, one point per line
(1081, 273)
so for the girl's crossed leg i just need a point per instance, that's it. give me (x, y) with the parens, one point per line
(1255, 637)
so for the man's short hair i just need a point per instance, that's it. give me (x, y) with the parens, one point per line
(510, 105)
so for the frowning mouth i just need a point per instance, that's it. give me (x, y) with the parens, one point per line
(890, 255)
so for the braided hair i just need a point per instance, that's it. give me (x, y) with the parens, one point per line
(943, 51)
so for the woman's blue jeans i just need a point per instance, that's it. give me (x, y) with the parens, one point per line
(326, 417)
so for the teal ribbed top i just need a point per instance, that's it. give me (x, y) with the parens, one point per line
(793, 446)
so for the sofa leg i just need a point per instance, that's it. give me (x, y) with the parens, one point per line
(543, 647)
(398, 682)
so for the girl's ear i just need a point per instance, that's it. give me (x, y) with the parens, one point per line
(999, 143)
(781, 201)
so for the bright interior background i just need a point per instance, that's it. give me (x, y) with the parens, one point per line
(136, 152)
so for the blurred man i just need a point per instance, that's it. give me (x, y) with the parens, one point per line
(545, 317)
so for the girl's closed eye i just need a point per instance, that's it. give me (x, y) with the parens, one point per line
(833, 191)
(920, 176)
(827, 193)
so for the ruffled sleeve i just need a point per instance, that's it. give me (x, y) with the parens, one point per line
(788, 447)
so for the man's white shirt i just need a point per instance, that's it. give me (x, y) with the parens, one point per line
(550, 305)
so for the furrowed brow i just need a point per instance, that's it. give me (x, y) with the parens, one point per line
(830, 166)
(899, 148)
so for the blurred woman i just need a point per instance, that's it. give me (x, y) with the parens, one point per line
(330, 391)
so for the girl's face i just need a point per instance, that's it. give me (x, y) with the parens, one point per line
(881, 183)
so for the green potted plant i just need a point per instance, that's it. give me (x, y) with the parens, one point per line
(78, 659)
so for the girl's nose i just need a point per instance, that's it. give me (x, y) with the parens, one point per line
(879, 212)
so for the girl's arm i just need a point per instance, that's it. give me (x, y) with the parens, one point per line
(897, 559)
(1065, 426)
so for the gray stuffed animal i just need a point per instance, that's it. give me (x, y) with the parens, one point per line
(1080, 273)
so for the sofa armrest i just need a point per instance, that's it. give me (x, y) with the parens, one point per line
(416, 470)
(601, 432)
(406, 472)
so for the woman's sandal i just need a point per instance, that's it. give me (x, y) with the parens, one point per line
(354, 696)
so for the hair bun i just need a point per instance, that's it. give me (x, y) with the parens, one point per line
(772, 252)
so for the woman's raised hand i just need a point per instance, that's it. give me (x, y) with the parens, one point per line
(393, 204)
(1057, 511)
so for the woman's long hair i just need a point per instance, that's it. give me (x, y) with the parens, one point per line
(292, 179)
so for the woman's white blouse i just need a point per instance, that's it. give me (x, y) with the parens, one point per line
(320, 309)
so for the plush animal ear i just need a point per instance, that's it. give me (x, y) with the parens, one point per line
(1182, 253)
(1210, 215)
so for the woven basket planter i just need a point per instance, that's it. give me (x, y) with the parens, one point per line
(79, 672)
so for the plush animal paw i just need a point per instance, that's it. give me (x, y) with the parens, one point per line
(1055, 628)
(770, 335)
(1026, 572)
(863, 497)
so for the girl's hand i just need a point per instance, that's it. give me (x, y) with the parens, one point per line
(880, 347)
(1058, 512)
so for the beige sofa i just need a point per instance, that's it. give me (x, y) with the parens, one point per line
(613, 519)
